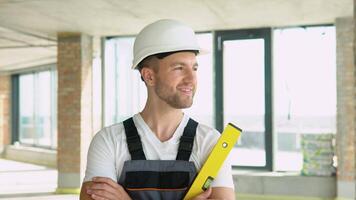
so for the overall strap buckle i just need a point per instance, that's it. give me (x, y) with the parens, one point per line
(187, 141)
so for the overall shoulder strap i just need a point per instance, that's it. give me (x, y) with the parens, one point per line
(133, 140)
(187, 140)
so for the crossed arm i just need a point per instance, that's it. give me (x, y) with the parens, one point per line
(106, 189)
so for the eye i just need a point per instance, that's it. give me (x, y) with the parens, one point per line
(178, 67)
(195, 68)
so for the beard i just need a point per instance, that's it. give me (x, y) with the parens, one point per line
(174, 99)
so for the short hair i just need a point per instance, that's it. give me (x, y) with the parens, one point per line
(145, 62)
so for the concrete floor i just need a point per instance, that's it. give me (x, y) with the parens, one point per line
(23, 181)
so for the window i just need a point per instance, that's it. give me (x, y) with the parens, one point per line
(246, 105)
(242, 93)
(125, 92)
(97, 93)
(37, 109)
(304, 89)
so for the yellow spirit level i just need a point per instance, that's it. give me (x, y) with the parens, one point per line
(214, 161)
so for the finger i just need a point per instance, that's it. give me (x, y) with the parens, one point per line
(106, 180)
(119, 191)
(107, 196)
(205, 195)
(102, 195)
(110, 182)
(101, 187)
(96, 197)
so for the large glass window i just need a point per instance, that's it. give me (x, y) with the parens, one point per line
(246, 105)
(243, 97)
(37, 109)
(302, 85)
(125, 92)
(304, 89)
(27, 109)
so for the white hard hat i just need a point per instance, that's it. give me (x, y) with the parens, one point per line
(163, 36)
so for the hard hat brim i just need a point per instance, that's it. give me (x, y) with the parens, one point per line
(200, 52)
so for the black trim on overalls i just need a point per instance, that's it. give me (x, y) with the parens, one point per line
(133, 140)
(187, 141)
(135, 146)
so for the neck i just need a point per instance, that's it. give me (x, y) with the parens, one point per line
(162, 119)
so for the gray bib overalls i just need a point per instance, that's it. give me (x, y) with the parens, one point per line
(158, 179)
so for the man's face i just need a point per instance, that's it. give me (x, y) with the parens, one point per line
(176, 79)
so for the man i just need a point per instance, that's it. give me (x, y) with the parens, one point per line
(157, 153)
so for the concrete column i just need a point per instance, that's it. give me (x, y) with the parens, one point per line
(354, 45)
(74, 65)
(5, 107)
(346, 108)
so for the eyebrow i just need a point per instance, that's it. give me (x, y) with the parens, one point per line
(182, 63)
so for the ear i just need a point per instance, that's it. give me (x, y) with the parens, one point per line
(148, 76)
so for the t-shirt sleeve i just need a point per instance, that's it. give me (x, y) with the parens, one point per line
(224, 177)
(101, 159)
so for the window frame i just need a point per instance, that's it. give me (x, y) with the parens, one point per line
(15, 106)
(218, 39)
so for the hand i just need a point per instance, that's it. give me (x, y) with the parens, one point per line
(205, 195)
(106, 189)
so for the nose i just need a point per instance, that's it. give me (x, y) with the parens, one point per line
(190, 75)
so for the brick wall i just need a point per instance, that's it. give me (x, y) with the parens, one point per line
(74, 62)
(346, 112)
(5, 107)
(345, 99)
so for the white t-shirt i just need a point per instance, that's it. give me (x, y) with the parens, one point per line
(108, 150)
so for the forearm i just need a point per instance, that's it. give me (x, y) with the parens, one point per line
(222, 193)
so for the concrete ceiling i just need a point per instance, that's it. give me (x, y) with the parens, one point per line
(28, 28)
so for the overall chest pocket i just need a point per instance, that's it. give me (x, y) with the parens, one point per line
(153, 180)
